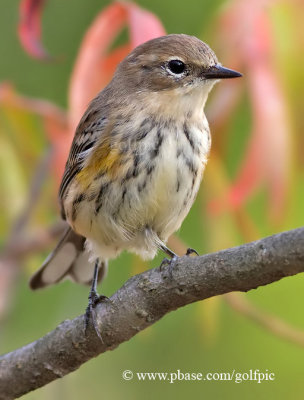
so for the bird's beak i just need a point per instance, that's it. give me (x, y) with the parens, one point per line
(219, 72)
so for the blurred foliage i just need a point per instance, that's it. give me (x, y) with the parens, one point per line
(205, 337)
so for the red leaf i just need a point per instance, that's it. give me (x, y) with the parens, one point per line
(247, 29)
(94, 66)
(143, 24)
(110, 62)
(29, 28)
(86, 74)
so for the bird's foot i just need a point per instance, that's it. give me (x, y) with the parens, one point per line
(191, 251)
(170, 263)
(173, 260)
(94, 299)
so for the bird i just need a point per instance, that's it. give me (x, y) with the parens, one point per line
(136, 161)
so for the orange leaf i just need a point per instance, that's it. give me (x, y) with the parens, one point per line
(41, 107)
(54, 119)
(58, 136)
(29, 28)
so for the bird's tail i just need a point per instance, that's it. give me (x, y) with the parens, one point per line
(69, 260)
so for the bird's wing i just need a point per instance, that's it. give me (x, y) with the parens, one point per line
(88, 131)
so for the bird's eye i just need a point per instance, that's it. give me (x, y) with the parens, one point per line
(176, 66)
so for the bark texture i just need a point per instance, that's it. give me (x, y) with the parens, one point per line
(143, 300)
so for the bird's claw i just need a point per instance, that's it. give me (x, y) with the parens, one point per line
(94, 299)
(170, 263)
(191, 251)
(164, 263)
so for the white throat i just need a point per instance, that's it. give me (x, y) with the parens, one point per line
(180, 102)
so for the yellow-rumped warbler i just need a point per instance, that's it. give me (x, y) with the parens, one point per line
(137, 159)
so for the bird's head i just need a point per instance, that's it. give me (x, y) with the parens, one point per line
(177, 68)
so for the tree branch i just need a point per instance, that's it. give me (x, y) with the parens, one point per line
(143, 300)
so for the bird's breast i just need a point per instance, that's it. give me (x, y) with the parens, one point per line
(155, 182)
(179, 166)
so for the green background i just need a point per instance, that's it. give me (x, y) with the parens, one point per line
(203, 337)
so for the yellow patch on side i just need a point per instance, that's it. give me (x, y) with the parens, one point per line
(105, 159)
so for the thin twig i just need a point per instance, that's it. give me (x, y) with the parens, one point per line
(36, 184)
(28, 244)
(272, 323)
